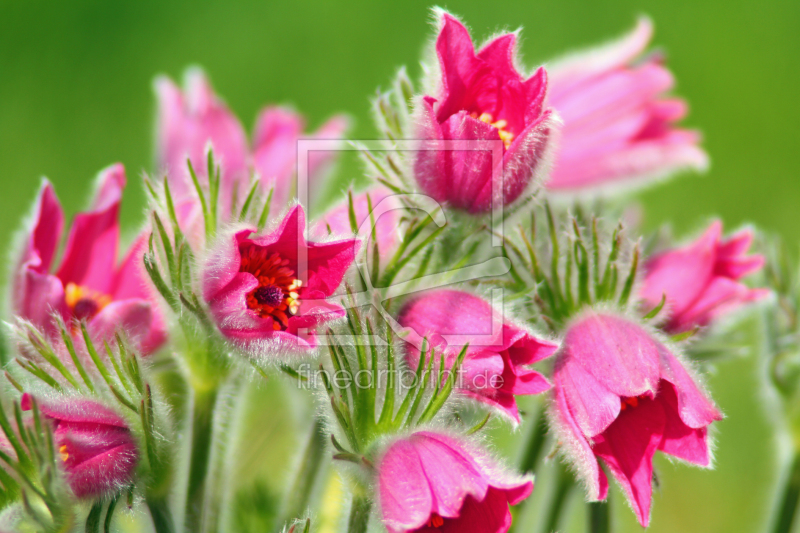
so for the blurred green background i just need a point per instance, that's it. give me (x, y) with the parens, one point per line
(75, 96)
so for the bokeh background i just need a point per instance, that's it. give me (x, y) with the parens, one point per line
(75, 96)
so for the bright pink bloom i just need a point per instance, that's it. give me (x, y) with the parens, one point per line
(618, 124)
(89, 284)
(494, 368)
(701, 280)
(621, 395)
(430, 482)
(386, 211)
(189, 121)
(271, 287)
(94, 443)
(482, 97)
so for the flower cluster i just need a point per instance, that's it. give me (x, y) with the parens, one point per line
(471, 285)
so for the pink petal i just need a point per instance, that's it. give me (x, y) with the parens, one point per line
(694, 408)
(75, 410)
(133, 317)
(628, 446)
(577, 447)
(405, 495)
(90, 254)
(679, 440)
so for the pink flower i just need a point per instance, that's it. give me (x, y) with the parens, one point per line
(621, 395)
(430, 482)
(94, 443)
(618, 124)
(386, 211)
(191, 120)
(494, 368)
(700, 280)
(482, 97)
(89, 284)
(275, 286)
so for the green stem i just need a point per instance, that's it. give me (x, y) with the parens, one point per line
(790, 499)
(564, 486)
(162, 517)
(535, 444)
(305, 481)
(599, 517)
(359, 515)
(202, 436)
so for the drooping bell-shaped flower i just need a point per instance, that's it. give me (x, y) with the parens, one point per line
(620, 396)
(431, 482)
(89, 284)
(481, 96)
(494, 369)
(701, 280)
(95, 445)
(191, 120)
(619, 125)
(274, 287)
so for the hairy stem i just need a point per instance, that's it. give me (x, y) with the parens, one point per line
(161, 515)
(307, 474)
(204, 402)
(564, 486)
(359, 515)
(535, 444)
(791, 496)
(599, 517)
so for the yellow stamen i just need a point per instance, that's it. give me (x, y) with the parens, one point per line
(62, 451)
(500, 125)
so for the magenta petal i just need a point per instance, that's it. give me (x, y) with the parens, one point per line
(694, 408)
(134, 317)
(592, 406)
(76, 410)
(48, 223)
(105, 472)
(679, 440)
(487, 515)
(405, 495)
(628, 446)
(40, 296)
(450, 474)
(620, 355)
(577, 447)
(222, 264)
(90, 254)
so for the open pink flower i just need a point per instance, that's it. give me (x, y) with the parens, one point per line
(621, 395)
(94, 443)
(190, 121)
(701, 280)
(275, 286)
(431, 482)
(88, 284)
(494, 368)
(386, 211)
(482, 97)
(618, 124)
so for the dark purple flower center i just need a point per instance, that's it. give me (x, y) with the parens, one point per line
(271, 295)
(85, 308)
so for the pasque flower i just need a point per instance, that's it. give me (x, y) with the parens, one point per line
(619, 125)
(88, 284)
(701, 280)
(95, 445)
(482, 96)
(432, 482)
(191, 121)
(494, 368)
(274, 286)
(620, 396)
